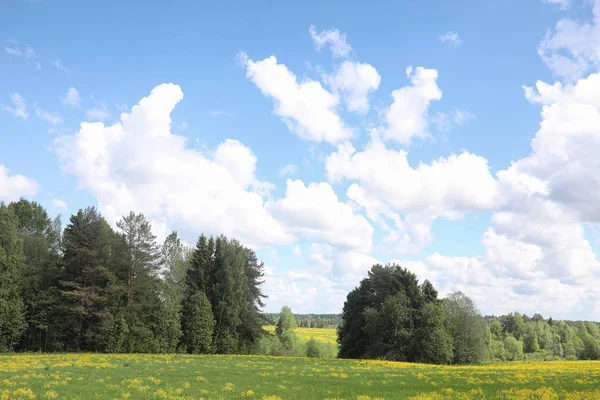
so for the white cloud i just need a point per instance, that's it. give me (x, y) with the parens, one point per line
(314, 211)
(19, 108)
(72, 98)
(288, 170)
(99, 113)
(564, 4)
(448, 186)
(297, 251)
(451, 38)
(183, 125)
(53, 119)
(220, 113)
(38, 66)
(354, 81)
(407, 116)
(13, 50)
(336, 40)
(139, 164)
(573, 48)
(16, 186)
(320, 254)
(307, 108)
(59, 66)
(121, 107)
(445, 120)
(60, 204)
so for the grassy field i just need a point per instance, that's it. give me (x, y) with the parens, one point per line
(323, 335)
(97, 376)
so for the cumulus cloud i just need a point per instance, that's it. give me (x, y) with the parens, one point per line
(72, 98)
(19, 108)
(12, 187)
(449, 186)
(139, 164)
(336, 41)
(450, 38)
(314, 211)
(297, 251)
(407, 116)
(308, 109)
(573, 48)
(355, 81)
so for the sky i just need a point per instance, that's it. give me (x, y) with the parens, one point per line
(458, 139)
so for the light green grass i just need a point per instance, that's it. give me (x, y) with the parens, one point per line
(97, 376)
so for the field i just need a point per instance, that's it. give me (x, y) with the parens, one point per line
(97, 376)
(322, 335)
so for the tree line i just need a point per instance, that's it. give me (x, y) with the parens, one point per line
(391, 316)
(92, 288)
(310, 320)
(89, 287)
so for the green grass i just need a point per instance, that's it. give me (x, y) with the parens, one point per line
(97, 376)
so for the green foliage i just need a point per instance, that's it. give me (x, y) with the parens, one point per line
(198, 324)
(11, 263)
(513, 349)
(285, 329)
(467, 329)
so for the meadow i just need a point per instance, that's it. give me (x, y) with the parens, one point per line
(103, 376)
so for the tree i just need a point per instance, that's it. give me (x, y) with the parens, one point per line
(356, 334)
(513, 348)
(175, 265)
(11, 263)
(433, 342)
(467, 328)
(285, 328)
(143, 251)
(198, 324)
(41, 250)
(88, 281)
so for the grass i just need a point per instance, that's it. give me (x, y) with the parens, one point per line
(98, 376)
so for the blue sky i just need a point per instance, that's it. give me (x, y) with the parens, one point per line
(327, 136)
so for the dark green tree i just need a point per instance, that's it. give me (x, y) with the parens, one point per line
(11, 262)
(198, 324)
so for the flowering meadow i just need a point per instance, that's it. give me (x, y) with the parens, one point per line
(101, 376)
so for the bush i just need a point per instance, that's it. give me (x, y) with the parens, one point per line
(313, 349)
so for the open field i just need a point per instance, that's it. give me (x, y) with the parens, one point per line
(97, 376)
(323, 335)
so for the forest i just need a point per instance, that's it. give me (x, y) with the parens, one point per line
(89, 287)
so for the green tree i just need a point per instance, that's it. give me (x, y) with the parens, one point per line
(433, 342)
(285, 328)
(11, 263)
(513, 348)
(198, 324)
(88, 281)
(467, 328)
(41, 250)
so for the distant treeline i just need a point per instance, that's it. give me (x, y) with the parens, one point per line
(311, 320)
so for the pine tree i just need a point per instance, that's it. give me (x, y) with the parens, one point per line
(86, 280)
